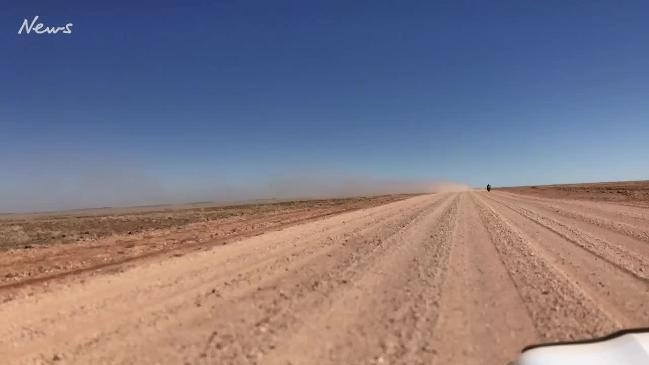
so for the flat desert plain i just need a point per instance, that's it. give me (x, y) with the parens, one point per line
(449, 278)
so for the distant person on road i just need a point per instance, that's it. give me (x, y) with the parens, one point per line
(488, 187)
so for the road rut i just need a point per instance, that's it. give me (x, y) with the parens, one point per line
(468, 277)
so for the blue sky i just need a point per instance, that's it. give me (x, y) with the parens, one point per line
(154, 101)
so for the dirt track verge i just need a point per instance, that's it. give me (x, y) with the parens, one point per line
(44, 262)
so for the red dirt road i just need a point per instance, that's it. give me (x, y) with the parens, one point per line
(461, 278)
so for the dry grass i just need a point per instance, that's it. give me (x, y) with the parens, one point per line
(628, 192)
(65, 227)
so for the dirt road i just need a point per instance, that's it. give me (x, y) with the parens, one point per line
(454, 278)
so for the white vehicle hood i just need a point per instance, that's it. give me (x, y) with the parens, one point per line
(625, 349)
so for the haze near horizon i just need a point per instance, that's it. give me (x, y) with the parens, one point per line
(167, 102)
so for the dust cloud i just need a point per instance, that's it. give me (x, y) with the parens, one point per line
(122, 186)
(309, 185)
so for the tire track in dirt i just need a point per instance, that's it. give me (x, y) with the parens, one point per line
(559, 308)
(611, 210)
(285, 311)
(615, 288)
(596, 215)
(479, 300)
(631, 262)
(161, 296)
(274, 251)
(402, 287)
(631, 252)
